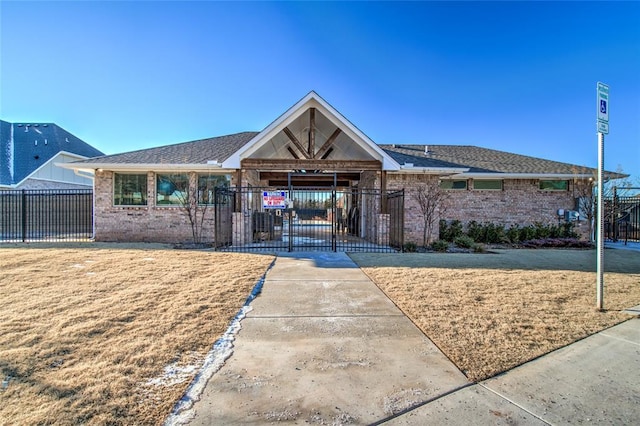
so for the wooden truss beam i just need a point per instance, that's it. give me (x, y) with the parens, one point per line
(296, 142)
(328, 143)
(312, 132)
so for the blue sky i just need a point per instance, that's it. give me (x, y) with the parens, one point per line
(513, 76)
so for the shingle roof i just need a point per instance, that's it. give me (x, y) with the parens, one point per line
(476, 159)
(479, 160)
(195, 152)
(26, 147)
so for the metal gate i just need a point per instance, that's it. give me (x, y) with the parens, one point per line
(622, 218)
(308, 219)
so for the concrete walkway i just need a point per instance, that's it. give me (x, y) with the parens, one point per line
(323, 345)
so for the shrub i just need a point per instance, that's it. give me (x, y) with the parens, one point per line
(479, 248)
(440, 245)
(452, 231)
(541, 231)
(410, 247)
(475, 231)
(527, 233)
(513, 234)
(568, 230)
(494, 234)
(443, 229)
(464, 241)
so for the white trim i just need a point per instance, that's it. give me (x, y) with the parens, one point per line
(311, 100)
(406, 169)
(85, 174)
(50, 160)
(146, 167)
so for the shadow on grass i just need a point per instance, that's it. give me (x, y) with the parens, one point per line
(617, 261)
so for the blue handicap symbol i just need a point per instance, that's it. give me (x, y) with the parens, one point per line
(603, 106)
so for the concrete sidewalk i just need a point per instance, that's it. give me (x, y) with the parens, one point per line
(323, 345)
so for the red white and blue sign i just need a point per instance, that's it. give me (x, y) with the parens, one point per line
(274, 199)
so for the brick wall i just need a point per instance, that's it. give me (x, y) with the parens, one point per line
(520, 202)
(148, 223)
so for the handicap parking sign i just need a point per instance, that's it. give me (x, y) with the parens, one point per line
(603, 106)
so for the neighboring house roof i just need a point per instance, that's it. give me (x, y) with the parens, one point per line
(27, 146)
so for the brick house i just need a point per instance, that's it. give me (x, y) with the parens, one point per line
(313, 148)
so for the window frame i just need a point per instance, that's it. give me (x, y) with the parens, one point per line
(553, 188)
(181, 183)
(499, 181)
(211, 189)
(142, 184)
(452, 182)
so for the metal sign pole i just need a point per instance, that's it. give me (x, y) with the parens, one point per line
(600, 235)
(603, 128)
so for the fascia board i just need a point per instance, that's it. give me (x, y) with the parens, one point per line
(430, 170)
(522, 176)
(146, 167)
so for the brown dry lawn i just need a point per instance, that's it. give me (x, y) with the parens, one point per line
(491, 312)
(87, 330)
(84, 328)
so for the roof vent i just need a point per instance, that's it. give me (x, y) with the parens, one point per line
(19, 125)
(45, 125)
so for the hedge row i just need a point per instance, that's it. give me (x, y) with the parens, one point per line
(491, 233)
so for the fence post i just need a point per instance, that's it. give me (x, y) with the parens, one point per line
(24, 215)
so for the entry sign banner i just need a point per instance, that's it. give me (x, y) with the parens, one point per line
(603, 108)
(274, 199)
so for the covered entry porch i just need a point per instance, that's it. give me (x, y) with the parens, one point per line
(308, 219)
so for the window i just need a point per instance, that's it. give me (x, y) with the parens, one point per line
(130, 190)
(453, 184)
(206, 187)
(172, 189)
(493, 184)
(554, 185)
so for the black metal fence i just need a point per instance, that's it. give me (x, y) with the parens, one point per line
(46, 215)
(308, 219)
(622, 218)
